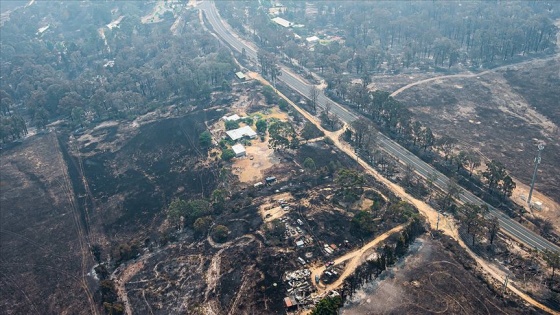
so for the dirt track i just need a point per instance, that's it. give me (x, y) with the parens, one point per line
(464, 75)
(354, 260)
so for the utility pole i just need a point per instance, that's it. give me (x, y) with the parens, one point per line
(537, 162)
(505, 283)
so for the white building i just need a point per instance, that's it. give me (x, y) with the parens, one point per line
(233, 117)
(280, 21)
(239, 133)
(239, 150)
(312, 39)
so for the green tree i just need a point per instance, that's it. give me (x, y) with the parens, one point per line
(220, 233)
(78, 115)
(283, 105)
(269, 95)
(230, 125)
(351, 183)
(176, 209)
(309, 164)
(228, 154)
(261, 125)
(363, 223)
(202, 224)
(205, 139)
(196, 209)
(40, 118)
(219, 199)
(328, 306)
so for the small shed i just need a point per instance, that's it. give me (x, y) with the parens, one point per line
(239, 150)
(289, 302)
(270, 179)
(312, 39)
(233, 117)
(240, 76)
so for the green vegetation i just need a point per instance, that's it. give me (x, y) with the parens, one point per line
(283, 105)
(124, 252)
(205, 139)
(351, 183)
(328, 306)
(202, 224)
(363, 224)
(84, 79)
(219, 199)
(269, 94)
(228, 154)
(309, 164)
(282, 136)
(261, 125)
(190, 210)
(220, 233)
(230, 125)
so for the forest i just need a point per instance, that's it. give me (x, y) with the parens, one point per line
(75, 65)
(370, 37)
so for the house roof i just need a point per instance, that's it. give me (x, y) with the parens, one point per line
(233, 117)
(238, 148)
(280, 21)
(289, 301)
(312, 39)
(240, 75)
(239, 133)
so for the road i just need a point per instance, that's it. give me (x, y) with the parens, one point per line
(352, 259)
(294, 81)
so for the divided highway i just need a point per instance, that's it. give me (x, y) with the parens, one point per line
(294, 81)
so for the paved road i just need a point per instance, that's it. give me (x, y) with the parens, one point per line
(294, 81)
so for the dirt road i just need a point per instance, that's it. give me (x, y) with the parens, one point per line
(354, 259)
(467, 75)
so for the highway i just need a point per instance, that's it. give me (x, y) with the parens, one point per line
(508, 225)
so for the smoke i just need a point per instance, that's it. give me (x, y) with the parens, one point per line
(386, 293)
